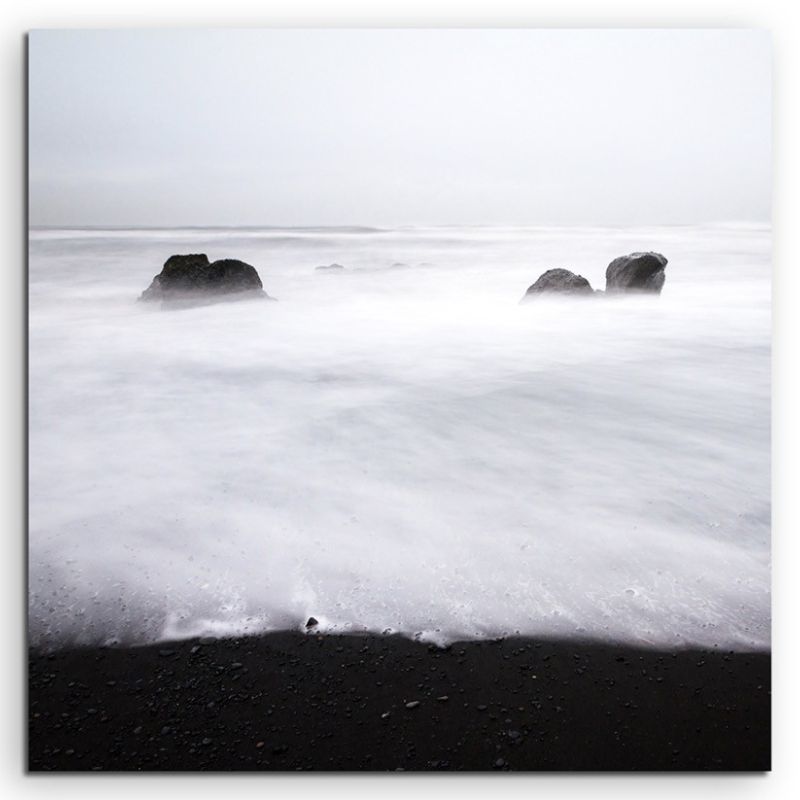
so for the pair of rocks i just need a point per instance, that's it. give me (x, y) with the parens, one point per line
(192, 279)
(641, 273)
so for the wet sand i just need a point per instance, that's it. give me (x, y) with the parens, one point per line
(293, 701)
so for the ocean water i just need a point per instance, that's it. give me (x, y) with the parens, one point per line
(401, 446)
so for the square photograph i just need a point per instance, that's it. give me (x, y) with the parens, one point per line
(399, 400)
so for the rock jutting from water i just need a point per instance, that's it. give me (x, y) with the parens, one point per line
(637, 273)
(190, 279)
(558, 281)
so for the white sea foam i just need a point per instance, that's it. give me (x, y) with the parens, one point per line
(403, 449)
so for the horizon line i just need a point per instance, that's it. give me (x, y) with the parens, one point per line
(387, 228)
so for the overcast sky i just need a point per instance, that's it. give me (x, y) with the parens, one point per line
(398, 127)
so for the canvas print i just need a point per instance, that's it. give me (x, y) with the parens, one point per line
(399, 400)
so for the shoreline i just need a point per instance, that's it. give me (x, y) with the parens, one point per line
(292, 701)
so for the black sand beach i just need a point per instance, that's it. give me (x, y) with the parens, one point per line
(288, 701)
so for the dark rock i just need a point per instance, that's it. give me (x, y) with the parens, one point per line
(637, 272)
(312, 622)
(192, 278)
(558, 281)
(329, 268)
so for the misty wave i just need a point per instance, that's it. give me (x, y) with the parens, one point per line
(404, 450)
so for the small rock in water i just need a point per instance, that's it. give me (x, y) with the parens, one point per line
(637, 272)
(559, 282)
(312, 622)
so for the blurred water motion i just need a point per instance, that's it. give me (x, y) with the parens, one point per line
(401, 448)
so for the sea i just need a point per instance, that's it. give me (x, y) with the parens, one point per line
(401, 446)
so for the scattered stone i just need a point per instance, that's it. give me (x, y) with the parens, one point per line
(312, 622)
(329, 268)
(412, 704)
(443, 698)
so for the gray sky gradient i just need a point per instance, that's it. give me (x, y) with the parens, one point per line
(398, 127)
